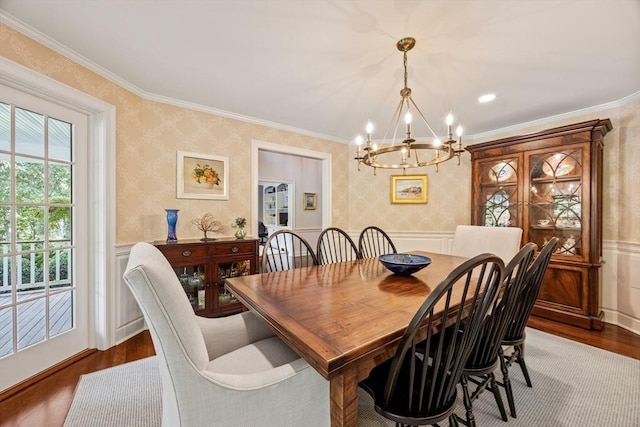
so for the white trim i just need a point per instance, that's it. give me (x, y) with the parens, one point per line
(101, 147)
(63, 50)
(228, 114)
(326, 159)
(81, 60)
(552, 120)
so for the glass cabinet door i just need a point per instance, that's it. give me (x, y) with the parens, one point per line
(240, 267)
(193, 279)
(498, 195)
(555, 200)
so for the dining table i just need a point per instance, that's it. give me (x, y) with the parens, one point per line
(343, 318)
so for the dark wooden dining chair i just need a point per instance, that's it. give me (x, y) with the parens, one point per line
(515, 334)
(373, 241)
(286, 250)
(334, 245)
(485, 356)
(414, 389)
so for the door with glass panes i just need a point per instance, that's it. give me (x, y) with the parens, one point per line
(43, 231)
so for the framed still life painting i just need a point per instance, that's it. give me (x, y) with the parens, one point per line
(202, 176)
(408, 189)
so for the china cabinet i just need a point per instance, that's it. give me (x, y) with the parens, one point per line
(550, 184)
(202, 268)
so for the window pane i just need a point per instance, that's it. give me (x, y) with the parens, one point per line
(59, 140)
(6, 330)
(29, 180)
(29, 132)
(5, 280)
(60, 313)
(30, 226)
(31, 323)
(5, 226)
(5, 126)
(59, 183)
(59, 223)
(5, 178)
(30, 273)
(60, 268)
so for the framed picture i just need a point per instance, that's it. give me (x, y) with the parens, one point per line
(202, 176)
(408, 189)
(310, 201)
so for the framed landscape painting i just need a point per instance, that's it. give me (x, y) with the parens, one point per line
(202, 176)
(408, 189)
(310, 200)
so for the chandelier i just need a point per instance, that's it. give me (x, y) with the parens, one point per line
(408, 153)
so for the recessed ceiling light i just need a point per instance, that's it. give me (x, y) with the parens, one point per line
(487, 97)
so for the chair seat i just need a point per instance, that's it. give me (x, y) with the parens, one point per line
(397, 408)
(260, 356)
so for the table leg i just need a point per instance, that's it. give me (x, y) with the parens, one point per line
(344, 399)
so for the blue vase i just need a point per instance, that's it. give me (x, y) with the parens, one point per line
(172, 220)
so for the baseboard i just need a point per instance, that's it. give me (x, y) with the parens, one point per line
(624, 321)
(127, 331)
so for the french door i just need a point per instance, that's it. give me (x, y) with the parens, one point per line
(43, 235)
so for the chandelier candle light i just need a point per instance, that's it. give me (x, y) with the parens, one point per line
(412, 154)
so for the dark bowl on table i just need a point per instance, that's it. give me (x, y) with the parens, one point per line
(404, 264)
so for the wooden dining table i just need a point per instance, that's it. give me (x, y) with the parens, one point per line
(342, 318)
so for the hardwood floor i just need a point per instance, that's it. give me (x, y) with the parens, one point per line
(47, 402)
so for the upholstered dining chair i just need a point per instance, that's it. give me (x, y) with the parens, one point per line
(485, 355)
(335, 245)
(373, 241)
(228, 371)
(471, 240)
(515, 334)
(418, 386)
(286, 250)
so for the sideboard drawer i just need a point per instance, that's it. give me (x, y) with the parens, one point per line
(186, 252)
(234, 248)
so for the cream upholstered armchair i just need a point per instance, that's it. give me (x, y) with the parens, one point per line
(472, 240)
(229, 371)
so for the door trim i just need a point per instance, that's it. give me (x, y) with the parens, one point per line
(257, 145)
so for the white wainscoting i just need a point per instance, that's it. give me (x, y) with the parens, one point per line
(128, 317)
(619, 298)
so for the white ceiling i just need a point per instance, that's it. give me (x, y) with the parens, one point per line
(326, 67)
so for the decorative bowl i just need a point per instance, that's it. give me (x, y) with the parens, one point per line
(404, 264)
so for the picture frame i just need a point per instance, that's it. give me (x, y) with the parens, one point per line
(409, 189)
(310, 201)
(202, 176)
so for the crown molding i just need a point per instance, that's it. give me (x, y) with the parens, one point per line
(551, 120)
(76, 57)
(47, 41)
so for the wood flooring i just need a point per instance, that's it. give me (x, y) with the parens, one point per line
(46, 402)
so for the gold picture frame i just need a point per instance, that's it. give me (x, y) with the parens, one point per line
(409, 189)
(309, 201)
(202, 176)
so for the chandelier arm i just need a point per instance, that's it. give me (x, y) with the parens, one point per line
(395, 118)
(423, 117)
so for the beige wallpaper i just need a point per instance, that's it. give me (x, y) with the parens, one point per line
(169, 129)
(449, 193)
(149, 134)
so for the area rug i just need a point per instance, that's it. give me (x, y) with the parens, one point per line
(573, 384)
